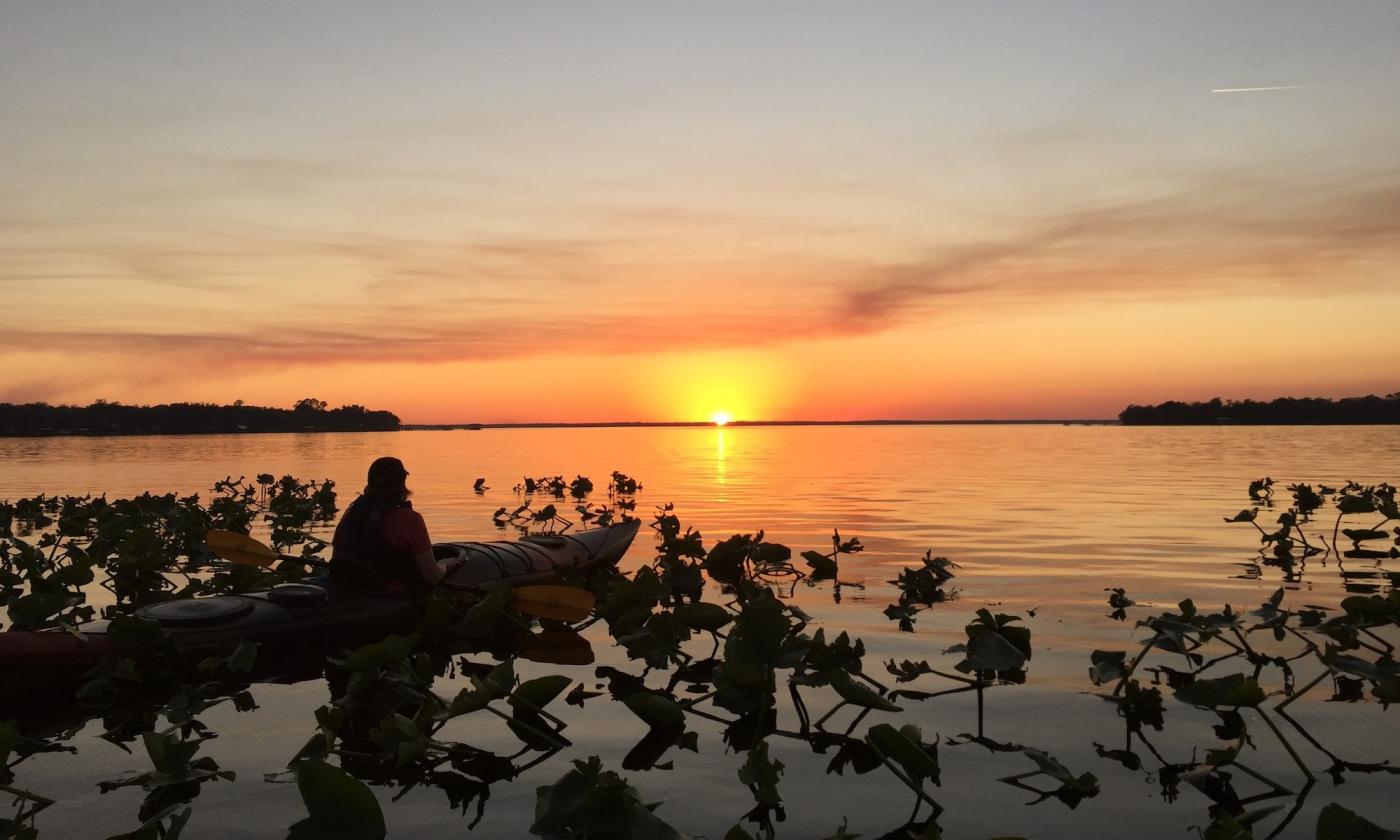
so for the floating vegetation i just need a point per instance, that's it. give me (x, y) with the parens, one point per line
(1118, 599)
(1364, 514)
(716, 650)
(920, 587)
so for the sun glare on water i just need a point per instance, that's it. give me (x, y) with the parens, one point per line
(721, 418)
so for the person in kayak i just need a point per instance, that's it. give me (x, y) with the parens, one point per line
(382, 542)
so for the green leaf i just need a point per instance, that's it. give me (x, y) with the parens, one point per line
(905, 747)
(33, 611)
(555, 804)
(657, 710)
(384, 654)
(1234, 690)
(1337, 823)
(589, 802)
(537, 693)
(703, 616)
(762, 774)
(135, 634)
(340, 805)
(496, 602)
(152, 829)
(858, 694)
(990, 651)
(9, 736)
(169, 754)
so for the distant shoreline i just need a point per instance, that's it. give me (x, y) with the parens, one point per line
(110, 419)
(705, 424)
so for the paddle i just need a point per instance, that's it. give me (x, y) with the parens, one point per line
(560, 603)
(241, 549)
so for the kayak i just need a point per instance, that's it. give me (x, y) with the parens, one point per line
(316, 612)
(535, 558)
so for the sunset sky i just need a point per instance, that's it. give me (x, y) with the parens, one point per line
(655, 211)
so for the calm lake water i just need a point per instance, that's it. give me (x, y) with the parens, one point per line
(1040, 518)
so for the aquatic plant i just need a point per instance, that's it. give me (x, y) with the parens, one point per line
(712, 644)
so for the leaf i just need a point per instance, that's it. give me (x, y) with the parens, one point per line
(1337, 823)
(842, 833)
(822, 565)
(656, 710)
(340, 805)
(908, 670)
(990, 651)
(703, 616)
(537, 693)
(153, 828)
(762, 774)
(590, 802)
(858, 694)
(32, 611)
(905, 747)
(1106, 666)
(383, 654)
(488, 608)
(556, 803)
(1233, 690)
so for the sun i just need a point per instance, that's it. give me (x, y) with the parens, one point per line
(721, 418)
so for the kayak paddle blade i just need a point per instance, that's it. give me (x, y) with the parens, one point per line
(560, 603)
(240, 549)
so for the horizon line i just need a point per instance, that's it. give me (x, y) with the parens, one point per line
(712, 424)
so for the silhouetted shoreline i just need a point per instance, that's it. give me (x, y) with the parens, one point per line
(1284, 411)
(105, 419)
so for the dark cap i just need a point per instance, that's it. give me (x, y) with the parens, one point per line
(387, 471)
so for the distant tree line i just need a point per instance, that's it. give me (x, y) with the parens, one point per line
(1282, 411)
(113, 418)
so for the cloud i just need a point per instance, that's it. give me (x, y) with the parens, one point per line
(345, 298)
(1225, 236)
(1261, 89)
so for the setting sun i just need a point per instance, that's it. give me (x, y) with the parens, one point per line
(721, 418)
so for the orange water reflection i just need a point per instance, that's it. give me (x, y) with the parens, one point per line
(1041, 517)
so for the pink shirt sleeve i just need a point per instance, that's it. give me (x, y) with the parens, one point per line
(405, 528)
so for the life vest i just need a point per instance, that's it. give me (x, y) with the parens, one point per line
(362, 557)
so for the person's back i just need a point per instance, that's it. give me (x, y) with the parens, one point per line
(381, 542)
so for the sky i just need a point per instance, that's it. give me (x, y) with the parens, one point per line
(472, 212)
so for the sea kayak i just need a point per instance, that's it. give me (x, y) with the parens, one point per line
(316, 612)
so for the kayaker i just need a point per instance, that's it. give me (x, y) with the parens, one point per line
(382, 542)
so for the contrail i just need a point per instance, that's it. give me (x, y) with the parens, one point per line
(1258, 89)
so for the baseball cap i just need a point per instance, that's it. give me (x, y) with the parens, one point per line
(387, 470)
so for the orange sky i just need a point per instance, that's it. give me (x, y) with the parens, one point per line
(550, 213)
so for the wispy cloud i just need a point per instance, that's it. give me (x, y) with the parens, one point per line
(1261, 89)
(1222, 236)
(346, 298)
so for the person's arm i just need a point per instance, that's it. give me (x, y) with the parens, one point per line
(430, 568)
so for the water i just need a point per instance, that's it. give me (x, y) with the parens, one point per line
(1040, 518)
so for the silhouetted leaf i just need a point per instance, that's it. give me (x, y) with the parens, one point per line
(1233, 690)
(1335, 822)
(340, 805)
(656, 710)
